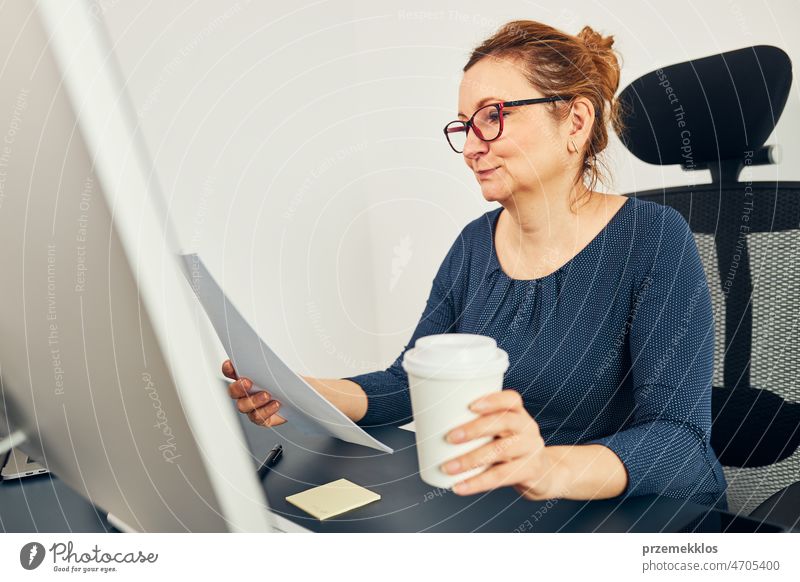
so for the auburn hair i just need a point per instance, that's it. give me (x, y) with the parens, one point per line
(557, 63)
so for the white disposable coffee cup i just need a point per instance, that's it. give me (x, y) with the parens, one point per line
(446, 373)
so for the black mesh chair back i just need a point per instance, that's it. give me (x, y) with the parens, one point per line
(716, 113)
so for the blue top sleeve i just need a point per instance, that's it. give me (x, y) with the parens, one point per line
(665, 440)
(388, 400)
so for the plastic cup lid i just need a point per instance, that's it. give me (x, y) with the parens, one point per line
(455, 355)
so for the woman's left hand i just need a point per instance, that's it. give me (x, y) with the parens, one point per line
(516, 456)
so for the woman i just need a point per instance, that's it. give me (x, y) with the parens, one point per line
(600, 300)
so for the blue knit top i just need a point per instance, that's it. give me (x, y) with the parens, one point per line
(614, 348)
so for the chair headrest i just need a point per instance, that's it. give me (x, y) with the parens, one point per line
(709, 109)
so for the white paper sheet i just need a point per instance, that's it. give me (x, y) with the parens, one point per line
(301, 405)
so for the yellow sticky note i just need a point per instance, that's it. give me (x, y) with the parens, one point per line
(332, 499)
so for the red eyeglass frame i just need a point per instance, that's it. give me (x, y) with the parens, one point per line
(466, 125)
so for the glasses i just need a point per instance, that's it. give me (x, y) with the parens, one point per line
(487, 122)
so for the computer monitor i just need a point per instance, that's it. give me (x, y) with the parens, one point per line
(104, 356)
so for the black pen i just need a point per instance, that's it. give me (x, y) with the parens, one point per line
(272, 458)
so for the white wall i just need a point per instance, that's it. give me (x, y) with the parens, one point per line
(300, 143)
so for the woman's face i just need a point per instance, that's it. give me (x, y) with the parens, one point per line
(530, 155)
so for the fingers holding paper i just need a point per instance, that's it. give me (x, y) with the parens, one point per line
(257, 404)
(266, 415)
(228, 370)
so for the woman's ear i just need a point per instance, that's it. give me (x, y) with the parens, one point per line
(580, 122)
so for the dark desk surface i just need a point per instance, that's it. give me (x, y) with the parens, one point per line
(46, 504)
(407, 504)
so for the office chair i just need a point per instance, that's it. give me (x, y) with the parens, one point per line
(715, 113)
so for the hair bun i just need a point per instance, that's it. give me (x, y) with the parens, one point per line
(604, 58)
(594, 41)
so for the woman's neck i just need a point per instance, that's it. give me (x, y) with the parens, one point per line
(551, 220)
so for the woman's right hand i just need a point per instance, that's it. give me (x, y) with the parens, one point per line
(258, 405)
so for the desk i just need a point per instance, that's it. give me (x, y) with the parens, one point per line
(407, 504)
(46, 504)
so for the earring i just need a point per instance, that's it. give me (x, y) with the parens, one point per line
(574, 147)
